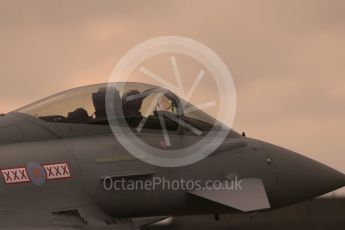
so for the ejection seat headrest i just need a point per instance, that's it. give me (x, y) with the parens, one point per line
(130, 102)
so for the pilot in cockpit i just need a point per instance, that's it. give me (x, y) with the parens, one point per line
(131, 105)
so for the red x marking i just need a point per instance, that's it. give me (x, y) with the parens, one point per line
(57, 171)
(15, 175)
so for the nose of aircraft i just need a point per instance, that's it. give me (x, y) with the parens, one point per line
(300, 178)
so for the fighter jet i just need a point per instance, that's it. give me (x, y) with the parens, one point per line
(62, 166)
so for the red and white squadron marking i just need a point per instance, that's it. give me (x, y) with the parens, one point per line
(57, 171)
(26, 174)
(15, 175)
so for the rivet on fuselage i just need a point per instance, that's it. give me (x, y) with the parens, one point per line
(268, 160)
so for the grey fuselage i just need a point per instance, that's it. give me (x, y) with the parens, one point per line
(92, 154)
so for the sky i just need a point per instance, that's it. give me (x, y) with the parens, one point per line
(287, 58)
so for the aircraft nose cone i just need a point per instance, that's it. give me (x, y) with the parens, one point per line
(300, 178)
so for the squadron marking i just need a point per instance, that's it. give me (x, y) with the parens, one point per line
(21, 175)
(15, 175)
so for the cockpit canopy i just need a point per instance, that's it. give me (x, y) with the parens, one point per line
(138, 101)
